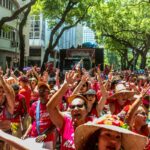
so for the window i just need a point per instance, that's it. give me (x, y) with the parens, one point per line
(4, 3)
(35, 52)
(10, 5)
(3, 34)
(31, 35)
(37, 24)
(36, 35)
(7, 4)
(13, 36)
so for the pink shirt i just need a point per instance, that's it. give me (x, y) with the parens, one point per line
(67, 133)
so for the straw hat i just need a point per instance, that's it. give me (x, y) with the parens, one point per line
(120, 89)
(130, 140)
(71, 98)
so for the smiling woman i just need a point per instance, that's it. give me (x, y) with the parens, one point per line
(67, 124)
(107, 133)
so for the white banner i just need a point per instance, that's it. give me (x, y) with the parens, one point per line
(27, 144)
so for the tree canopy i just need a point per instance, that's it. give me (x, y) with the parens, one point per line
(123, 26)
(62, 15)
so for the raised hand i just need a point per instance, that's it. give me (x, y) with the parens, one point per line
(57, 71)
(1, 71)
(145, 90)
(70, 77)
(84, 78)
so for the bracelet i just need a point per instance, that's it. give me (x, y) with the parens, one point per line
(45, 136)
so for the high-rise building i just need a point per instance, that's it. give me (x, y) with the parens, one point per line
(88, 35)
(71, 38)
(76, 36)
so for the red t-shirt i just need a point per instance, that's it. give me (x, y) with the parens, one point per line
(118, 108)
(45, 121)
(19, 110)
(26, 91)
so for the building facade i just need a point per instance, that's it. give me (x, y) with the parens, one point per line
(36, 40)
(71, 38)
(88, 35)
(76, 36)
(9, 34)
(9, 53)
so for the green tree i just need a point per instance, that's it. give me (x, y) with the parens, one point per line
(22, 24)
(15, 14)
(124, 27)
(24, 12)
(62, 15)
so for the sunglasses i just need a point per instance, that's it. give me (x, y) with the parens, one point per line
(91, 95)
(78, 106)
(143, 113)
(43, 90)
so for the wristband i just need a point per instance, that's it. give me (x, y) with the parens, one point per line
(45, 136)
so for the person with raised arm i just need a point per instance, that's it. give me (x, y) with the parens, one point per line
(67, 123)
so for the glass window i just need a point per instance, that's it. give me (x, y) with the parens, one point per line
(9, 35)
(13, 35)
(0, 33)
(10, 5)
(3, 34)
(6, 34)
(7, 4)
(4, 3)
(36, 35)
(31, 35)
(37, 24)
(36, 29)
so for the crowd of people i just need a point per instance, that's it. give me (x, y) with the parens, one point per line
(82, 110)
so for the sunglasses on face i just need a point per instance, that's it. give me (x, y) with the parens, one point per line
(90, 95)
(78, 106)
(43, 90)
(143, 113)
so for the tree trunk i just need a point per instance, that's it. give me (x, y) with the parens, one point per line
(143, 60)
(45, 59)
(136, 56)
(122, 63)
(16, 13)
(22, 38)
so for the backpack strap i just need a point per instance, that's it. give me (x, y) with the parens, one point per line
(38, 117)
